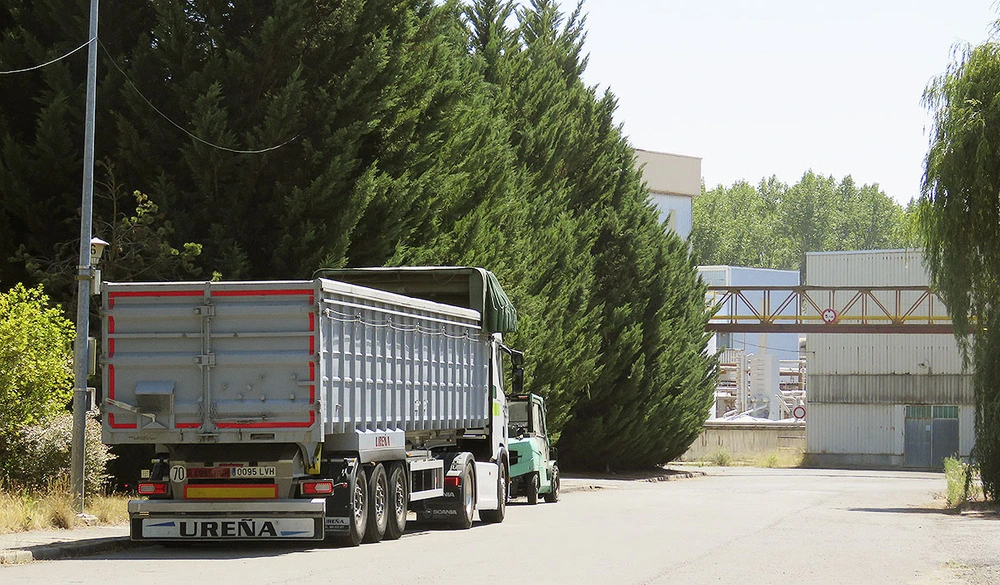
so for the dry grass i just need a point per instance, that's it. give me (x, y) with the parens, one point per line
(53, 509)
(782, 459)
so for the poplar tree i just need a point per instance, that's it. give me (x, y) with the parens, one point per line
(773, 225)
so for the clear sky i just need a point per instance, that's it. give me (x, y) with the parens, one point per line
(778, 87)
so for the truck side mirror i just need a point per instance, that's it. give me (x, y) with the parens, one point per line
(553, 453)
(517, 379)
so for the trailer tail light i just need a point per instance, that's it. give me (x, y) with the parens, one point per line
(452, 481)
(317, 488)
(153, 488)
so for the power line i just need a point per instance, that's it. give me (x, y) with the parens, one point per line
(25, 70)
(149, 103)
(181, 128)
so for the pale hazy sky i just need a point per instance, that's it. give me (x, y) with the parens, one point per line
(777, 87)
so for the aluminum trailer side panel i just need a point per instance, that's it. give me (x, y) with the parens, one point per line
(285, 361)
(411, 369)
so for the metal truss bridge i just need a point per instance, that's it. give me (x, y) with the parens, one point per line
(827, 309)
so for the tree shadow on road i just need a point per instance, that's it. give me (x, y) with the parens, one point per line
(988, 513)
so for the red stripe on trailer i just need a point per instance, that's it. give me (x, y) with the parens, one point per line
(111, 340)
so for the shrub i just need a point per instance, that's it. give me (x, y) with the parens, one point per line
(38, 456)
(721, 458)
(36, 359)
(963, 485)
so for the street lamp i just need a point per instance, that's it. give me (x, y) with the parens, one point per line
(85, 274)
(97, 246)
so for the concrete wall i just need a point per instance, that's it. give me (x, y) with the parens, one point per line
(747, 440)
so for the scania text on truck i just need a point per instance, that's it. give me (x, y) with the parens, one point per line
(302, 410)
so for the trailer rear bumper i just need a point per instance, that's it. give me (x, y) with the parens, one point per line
(185, 520)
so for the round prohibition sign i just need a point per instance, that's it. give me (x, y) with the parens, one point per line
(799, 411)
(829, 316)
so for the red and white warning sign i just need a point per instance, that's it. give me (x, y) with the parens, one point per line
(829, 316)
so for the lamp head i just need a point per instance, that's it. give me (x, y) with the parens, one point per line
(97, 246)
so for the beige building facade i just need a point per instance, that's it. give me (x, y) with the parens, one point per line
(673, 181)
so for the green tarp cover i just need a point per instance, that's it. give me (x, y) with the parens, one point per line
(461, 286)
(499, 313)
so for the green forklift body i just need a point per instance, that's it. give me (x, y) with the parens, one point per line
(528, 446)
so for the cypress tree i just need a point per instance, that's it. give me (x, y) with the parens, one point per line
(40, 113)
(650, 380)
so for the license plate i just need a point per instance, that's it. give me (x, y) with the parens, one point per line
(234, 472)
(251, 472)
(228, 528)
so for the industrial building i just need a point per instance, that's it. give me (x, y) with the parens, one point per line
(759, 402)
(883, 400)
(673, 179)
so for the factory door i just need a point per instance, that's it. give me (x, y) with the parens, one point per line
(930, 435)
(945, 431)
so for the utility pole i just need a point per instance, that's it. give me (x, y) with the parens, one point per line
(85, 276)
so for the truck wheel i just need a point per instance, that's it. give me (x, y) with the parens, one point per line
(378, 505)
(531, 489)
(553, 495)
(358, 508)
(468, 511)
(398, 502)
(497, 516)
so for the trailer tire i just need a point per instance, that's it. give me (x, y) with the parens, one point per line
(378, 505)
(553, 495)
(497, 516)
(531, 489)
(358, 508)
(399, 498)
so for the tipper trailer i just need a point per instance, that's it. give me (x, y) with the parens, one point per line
(303, 410)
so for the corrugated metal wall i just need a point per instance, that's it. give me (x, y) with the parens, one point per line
(872, 429)
(899, 353)
(890, 389)
(859, 385)
(866, 268)
(869, 434)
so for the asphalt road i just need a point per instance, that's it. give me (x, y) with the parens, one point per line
(735, 525)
